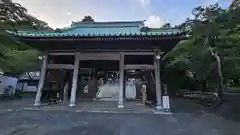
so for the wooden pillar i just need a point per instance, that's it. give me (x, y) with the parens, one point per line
(158, 81)
(41, 81)
(121, 81)
(65, 92)
(124, 85)
(74, 81)
(95, 82)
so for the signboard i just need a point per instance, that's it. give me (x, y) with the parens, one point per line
(166, 104)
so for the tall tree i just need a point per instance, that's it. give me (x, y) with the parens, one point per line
(87, 19)
(16, 57)
(235, 4)
(167, 25)
(211, 52)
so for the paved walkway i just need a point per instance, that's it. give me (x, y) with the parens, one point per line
(101, 106)
(15, 104)
(190, 119)
(29, 122)
(81, 106)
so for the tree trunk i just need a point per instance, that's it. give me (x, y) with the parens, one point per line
(219, 70)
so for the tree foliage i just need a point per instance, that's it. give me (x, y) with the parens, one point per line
(16, 57)
(211, 53)
(167, 25)
(235, 4)
(87, 19)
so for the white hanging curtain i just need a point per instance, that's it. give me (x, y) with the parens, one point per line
(130, 90)
(108, 91)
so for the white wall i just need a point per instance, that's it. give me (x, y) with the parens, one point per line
(30, 89)
(6, 81)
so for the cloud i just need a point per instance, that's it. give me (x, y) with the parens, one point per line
(154, 22)
(53, 23)
(68, 13)
(143, 2)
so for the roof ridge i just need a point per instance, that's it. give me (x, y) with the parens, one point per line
(123, 28)
(109, 22)
(163, 29)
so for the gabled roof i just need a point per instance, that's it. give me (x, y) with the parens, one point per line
(95, 29)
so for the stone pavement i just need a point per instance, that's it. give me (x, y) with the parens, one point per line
(81, 106)
(15, 104)
(16, 119)
(102, 106)
(30, 122)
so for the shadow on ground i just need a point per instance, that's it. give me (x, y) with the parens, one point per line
(229, 109)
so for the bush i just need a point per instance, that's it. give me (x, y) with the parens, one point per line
(235, 89)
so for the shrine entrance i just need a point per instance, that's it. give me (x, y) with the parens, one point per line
(133, 51)
(98, 79)
(114, 76)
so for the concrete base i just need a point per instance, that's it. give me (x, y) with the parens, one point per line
(162, 112)
(166, 110)
(37, 104)
(120, 106)
(72, 105)
(159, 107)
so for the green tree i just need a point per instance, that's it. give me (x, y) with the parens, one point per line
(87, 19)
(211, 53)
(16, 57)
(167, 25)
(235, 4)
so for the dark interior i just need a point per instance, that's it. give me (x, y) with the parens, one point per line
(139, 59)
(61, 59)
(100, 64)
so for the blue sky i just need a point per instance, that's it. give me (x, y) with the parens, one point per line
(60, 13)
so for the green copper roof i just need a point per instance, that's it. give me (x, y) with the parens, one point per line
(86, 29)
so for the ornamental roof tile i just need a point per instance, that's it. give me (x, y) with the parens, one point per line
(94, 29)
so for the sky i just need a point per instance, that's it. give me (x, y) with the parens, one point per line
(60, 13)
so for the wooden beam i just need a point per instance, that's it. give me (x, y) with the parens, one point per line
(99, 56)
(102, 53)
(138, 53)
(61, 53)
(115, 50)
(138, 66)
(60, 66)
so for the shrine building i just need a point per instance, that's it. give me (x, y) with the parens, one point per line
(109, 51)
